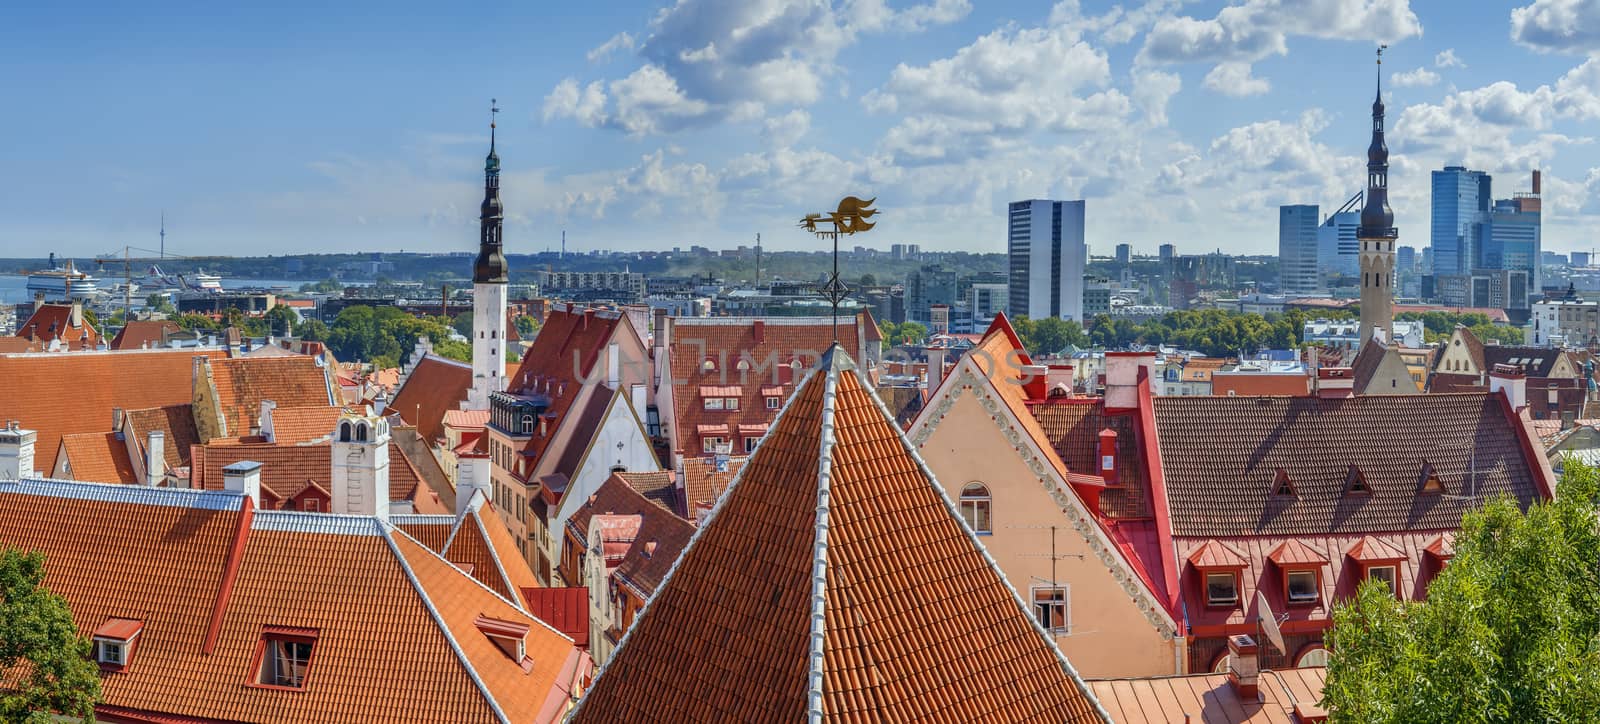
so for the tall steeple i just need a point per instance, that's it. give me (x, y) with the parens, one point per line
(1377, 233)
(491, 264)
(489, 287)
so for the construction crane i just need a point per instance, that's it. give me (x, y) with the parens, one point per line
(127, 259)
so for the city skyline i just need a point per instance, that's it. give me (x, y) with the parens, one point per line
(706, 122)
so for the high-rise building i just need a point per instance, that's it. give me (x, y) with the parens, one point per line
(987, 300)
(1460, 204)
(489, 278)
(1406, 259)
(1048, 253)
(1338, 249)
(1377, 235)
(930, 285)
(1511, 236)
(1167, 252)
(1580, 258)
(1124, 254)
(1297, 249)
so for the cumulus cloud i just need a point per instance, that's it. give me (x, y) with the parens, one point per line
(1414, 78)
(1234, 79)
(1564, 26)
(786, 129)
(875, 15)
(1152, 89)
(620, 41)
(1256, 29)
(1447, 59)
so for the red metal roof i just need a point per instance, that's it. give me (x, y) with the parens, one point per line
(1216, 554)
(1294, 553)
(566, 609)
(1372, 550)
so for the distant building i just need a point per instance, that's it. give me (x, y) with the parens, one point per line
(1511, 237)
(1460, 203)
(1048, 254)
(925, 287)
(986, 301)
(625, 287)
(1096, 297)
(1580, 258)
(1564, 323)
(1337, 247)
(1297, 249)
(1167, 252)
(1124, 254)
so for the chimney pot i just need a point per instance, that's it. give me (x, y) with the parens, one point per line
(1244, 665)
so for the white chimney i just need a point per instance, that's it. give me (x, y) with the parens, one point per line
(472, 476)
(16, 452)
(77, 313)
(265, 421)
(1122, 378)
(613, 365)
(155, 460)
(244, 477)
(1510, 380)
(360, 461)
(1244, 666)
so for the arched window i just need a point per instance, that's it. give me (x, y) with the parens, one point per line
(527, 424)
(710, 365)
(361, 432)
(344, 432)
(1312, 655)
(1219, 665)
(975, 507)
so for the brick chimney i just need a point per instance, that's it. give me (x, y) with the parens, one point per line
(16, 452)
(1035, 381)
(155, 457)
(1509, 380)
(1059, 377)
(1244, 665)
(936, 356)
(244, 477)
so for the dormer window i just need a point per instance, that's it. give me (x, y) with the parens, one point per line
(1302, 586)
(1222, 588)
(709, 365)
(774, 403)
(1219, 567)
(713, 403)
(283, 658)
(1282, 484)
(730, 403)
(114, 642)
(510, 637)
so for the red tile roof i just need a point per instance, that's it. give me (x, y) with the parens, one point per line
(98, 457)
(649, 521)
(865, 599)
(144, 334)
(435, 386)
(1210, 698)
(704, 483)
(161, 556)
(285, 468)
(563, 355)
(54, 321)
(1220, 456)
(61, 394)
(658, 485)
(175, 423)
(763, 346)
(243, 382)
(295, 425)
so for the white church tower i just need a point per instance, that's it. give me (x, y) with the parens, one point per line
(361, 466)
(489, 289)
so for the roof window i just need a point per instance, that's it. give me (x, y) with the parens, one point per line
(283, 658)
(510, 636)
(114, 642)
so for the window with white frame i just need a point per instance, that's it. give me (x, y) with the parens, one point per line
(975, 502)
(1051, 606)
(710, 444)
(731, 403)
(1382, 573)
(111, 652)
(713, 403)
(1222, 588)
(1302, 586)
(284, 660)
(773, 403)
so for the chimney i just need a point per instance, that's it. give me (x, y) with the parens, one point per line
(1243, 665)
(659, 331)
(1034, 381)
(116, 421)
(1059, 378)
(1509, 380)
(1108, 455)
(588, 316)
(936, 355)
(1536, 182)
(1335, 383)
(16, 452)
(759, 330)
(77, 314)
(267, 428)
(613, 366)
(1122, 378)
(155, 457)
(244, 477)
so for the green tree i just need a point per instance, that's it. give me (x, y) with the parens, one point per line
(1510, 630)
(312, 330)
(868, 280)
(462, 324)
(902, 333)
(280, 320)
(527, 326)
(197, 322)
(38, 637)
(326, 286)
(1050, 335)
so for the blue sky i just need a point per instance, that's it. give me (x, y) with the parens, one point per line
(301, 127)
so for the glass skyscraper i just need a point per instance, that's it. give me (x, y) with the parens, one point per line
(1297, 250)
(1460, 204)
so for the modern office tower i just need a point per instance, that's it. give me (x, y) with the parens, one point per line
(1124, 254)
(1511, 236)
(1460, 203)
(933, 284)
(1338, 249)
(1297, 249)
(1048, 253)
(1406, 259)
(1580, 259)
(1167, 252)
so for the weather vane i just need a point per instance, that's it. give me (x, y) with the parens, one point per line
(494, 110)
(849, 219)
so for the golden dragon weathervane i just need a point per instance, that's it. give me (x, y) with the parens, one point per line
(850, 218)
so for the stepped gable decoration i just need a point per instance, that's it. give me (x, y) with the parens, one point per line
(835, 581)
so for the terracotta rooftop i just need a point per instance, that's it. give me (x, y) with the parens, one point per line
(563, 355)
(54, 321)
(1210, 699)
(209, 577)
(478, 543)
(295, 425)
(434, 386)
(285, 468)
(749, 359)
(99, 457)
(242, 383)
(638, 567)
(61, 394)
(704, 483)
(866, 598)
(1220, 457)
(657, 485)
(143, 334)
(175, 422)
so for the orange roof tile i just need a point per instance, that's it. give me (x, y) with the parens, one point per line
(98, 457)
(365, 592)
(243, 382)
(54, 321)
(295, 425)
(435, 385)
(61, 394)
(562, 356)
(856, 559)
(144, 334)
(704, 483)
(286, 468)
(175, 423)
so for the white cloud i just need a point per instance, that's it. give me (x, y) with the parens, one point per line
(875, 15)
(584, 104)
(1447, 59)
(785, 130)
(1567, 26)
(1414, 78)
(620, 41)
(1152, 89)
(1234, 79)
(1256, 29)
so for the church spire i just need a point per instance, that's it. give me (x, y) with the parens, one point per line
(1377, 219)
(1377, 233)
(490, 266)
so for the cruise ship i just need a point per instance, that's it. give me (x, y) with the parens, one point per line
(57, 283)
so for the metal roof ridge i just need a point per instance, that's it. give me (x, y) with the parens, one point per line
(498, 567)
(482, 585)
(817, 675)
(295, 521)
(438, 620)
(125, 493)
